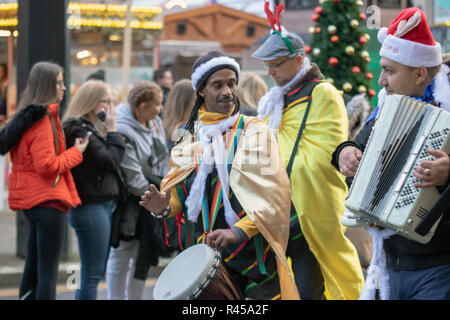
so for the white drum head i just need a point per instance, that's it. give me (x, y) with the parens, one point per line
(185, 274)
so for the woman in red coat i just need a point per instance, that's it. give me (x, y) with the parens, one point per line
(40, 183)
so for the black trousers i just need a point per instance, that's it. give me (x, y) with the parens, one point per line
(44, 245)
(307, 274)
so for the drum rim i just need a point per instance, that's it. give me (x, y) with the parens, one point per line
(210, 275)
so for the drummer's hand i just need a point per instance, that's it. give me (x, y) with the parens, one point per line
(349, 159)
(438, 170)
(221, 238)
(155, 201)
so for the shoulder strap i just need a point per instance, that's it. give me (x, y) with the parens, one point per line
(306, 90)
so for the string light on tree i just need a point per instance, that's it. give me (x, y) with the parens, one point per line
(362, 89)
(334, 39)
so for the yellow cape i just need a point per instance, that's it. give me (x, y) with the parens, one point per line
(319, 190)
(259, 181)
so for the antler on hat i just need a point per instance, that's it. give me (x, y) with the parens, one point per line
(281, 42)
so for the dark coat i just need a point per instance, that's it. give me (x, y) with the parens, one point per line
(98, 177)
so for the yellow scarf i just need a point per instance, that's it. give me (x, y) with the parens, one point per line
(207, 117)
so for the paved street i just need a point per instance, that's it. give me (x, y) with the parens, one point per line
(11, 267)
(64, 292)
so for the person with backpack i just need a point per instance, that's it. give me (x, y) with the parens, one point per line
(309, 117)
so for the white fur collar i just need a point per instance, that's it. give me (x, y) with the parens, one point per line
(441, 91)
(272, 103)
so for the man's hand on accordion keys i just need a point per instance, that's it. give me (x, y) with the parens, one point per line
(433, 173)
(349, 159)
(155, 201)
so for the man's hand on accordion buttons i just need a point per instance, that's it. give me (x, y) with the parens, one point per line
(349, 159)
(433, 173)
(155, 201)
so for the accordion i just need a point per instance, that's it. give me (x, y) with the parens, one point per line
(383, 190)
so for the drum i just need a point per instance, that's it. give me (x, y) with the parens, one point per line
(196, 273)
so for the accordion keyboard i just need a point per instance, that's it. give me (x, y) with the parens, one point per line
(409, 192)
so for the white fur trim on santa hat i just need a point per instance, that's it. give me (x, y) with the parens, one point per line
(441, 91)
(208, 65)
(411, 53)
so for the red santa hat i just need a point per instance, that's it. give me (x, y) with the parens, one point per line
(408, 40)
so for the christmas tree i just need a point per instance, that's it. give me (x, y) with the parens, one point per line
(338, 45)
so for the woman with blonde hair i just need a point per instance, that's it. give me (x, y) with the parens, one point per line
(137, 236)
(98, 179)
(179, 104)
(250, 89)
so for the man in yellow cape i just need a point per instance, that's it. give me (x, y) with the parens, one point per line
(234, 159)
(324, 262)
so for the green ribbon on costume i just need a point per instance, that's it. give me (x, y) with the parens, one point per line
(259, 247)
(187, 223)
(286, 40)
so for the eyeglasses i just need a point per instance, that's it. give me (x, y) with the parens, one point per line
(268, 66)
(107, 101)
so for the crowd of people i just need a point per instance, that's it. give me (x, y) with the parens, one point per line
(259, 173)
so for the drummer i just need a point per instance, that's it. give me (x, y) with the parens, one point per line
(228, 182)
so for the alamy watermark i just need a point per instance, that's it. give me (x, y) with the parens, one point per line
(373, 20)
(73, 281)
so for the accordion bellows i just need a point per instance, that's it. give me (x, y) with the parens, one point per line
(383, 190)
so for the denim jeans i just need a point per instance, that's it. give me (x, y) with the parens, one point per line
(44, 245)
(427, 284)
(92, 224)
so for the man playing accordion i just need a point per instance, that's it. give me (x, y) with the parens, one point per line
(411, 66)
